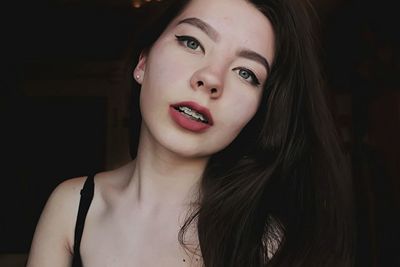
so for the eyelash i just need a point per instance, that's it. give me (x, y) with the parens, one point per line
(254, 81)
(184, 38)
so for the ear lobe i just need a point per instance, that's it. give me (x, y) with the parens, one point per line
(139, 71)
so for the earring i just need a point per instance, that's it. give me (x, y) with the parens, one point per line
(138, 76)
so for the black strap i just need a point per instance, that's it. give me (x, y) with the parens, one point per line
(87, 194)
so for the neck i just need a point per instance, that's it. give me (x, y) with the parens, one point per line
(164, 178)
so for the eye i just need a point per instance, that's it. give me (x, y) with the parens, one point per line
(189, 42)
(248, 75)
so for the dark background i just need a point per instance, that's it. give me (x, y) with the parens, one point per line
(64, 95)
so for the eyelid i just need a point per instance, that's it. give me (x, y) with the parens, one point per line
(182, 38)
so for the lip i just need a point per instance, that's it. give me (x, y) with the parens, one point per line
(187, 123)
(198, 108)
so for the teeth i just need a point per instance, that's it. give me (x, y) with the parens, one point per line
(193, 113)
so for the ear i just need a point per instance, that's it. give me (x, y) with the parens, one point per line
(138, 73)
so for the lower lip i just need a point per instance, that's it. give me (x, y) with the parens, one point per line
(187, 123)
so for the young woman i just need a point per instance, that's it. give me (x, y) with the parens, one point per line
(236, 161)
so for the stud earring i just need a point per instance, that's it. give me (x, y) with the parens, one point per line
(137, 76)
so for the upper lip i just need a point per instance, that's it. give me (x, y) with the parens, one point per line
(198, 108)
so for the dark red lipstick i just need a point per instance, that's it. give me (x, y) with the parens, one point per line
(191, 116)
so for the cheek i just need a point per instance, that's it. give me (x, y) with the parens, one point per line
(233, 122)
(241, 109)
(166, 66)
(236, 114)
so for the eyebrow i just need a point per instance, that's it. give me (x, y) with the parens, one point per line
(249, 54)
(214, 35)
(202, 25)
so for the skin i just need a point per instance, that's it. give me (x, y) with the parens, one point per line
(139, 208)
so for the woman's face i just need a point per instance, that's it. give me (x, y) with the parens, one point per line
(202, 80)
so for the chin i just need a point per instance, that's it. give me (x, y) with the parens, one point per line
(188, 149)
(186, 145)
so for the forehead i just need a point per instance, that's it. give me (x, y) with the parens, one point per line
(236, 21)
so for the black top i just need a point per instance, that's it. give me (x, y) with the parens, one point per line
(87, 194)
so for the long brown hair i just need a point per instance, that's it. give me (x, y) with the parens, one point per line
(280, 193)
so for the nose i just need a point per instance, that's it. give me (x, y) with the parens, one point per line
(209, 80)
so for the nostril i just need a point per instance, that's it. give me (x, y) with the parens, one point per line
(213, 90)
(200, 83)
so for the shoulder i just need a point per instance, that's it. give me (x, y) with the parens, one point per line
(68, 190)
(55, 229)
(62, 207)
(65, 198)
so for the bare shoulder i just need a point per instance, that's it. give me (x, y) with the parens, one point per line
(53, 239)
(52, 244)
